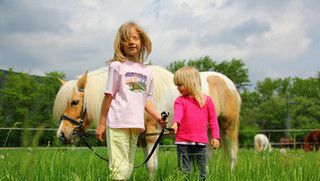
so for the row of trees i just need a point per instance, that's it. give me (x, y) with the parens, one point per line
(27, 101)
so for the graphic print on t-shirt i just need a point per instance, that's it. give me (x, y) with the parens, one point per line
(136, 81)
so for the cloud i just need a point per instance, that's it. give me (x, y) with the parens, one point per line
(76, 36)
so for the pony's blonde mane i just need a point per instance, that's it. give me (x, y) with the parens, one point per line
(94, 93)
(164, 89)
(63, 97)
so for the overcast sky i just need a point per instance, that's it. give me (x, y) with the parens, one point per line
(274, 38)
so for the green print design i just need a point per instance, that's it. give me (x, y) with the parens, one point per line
(137, 86)
(136, 81)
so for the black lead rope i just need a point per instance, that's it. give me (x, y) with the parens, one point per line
(80, 131)
(164, 116)
(84, 139)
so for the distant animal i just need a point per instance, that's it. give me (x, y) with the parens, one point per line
(261, 143)
(286, 142)
(87, 93)
(312, 141)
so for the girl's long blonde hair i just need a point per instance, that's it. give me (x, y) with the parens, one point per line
(190, 78)
(124, 34)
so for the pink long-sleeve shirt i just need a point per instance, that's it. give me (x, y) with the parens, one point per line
(193, 121)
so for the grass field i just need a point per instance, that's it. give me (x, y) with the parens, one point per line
(80, 164)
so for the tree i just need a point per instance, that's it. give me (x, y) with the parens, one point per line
(175, 65)
(27, 100)
(235, 69)
(203, 64)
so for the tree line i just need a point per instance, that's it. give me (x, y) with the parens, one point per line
(277, 104)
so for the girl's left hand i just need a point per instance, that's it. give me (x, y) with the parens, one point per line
(215, 143)
(174, 126)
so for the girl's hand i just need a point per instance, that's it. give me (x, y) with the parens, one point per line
(101, 132)
(162, 123)
(174, 126)
(215, 143)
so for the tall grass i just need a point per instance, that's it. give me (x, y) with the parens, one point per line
(81, 164)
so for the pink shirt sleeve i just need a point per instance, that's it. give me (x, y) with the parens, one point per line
(178, 110)
(213, 120)
(113, 80)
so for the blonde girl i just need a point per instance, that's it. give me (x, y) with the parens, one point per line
(128, 93)
(193, 113)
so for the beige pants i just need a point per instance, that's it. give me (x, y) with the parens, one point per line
(121, 143)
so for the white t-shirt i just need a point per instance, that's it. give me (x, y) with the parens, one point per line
(130, 84)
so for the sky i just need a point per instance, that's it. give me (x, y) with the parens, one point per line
(273, 38)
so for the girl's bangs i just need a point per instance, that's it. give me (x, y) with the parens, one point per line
(127, 31)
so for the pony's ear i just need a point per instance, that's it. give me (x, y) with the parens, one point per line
(62, 81)
(82, 81)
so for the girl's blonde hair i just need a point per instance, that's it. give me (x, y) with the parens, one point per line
(190, 78)
(123, 35)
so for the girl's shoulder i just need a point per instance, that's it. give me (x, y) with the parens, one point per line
(115, 64)
(208, 98)
(184, 99)
(180, 99)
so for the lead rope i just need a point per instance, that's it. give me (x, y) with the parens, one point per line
(164, 116)
(80, 132)
(84, 139)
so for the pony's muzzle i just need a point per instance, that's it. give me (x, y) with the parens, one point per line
(63, 138)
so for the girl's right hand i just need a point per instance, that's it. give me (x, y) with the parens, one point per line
(174, 126)
(101, 133)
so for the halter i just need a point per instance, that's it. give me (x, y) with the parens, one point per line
(79, 125)
(79, 130)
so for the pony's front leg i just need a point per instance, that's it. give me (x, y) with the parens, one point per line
(151, 139)
(152, 164)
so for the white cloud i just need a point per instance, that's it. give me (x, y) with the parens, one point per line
(61, 34)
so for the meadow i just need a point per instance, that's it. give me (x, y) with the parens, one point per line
(38, 164)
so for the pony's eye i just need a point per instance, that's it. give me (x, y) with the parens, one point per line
(74, 102)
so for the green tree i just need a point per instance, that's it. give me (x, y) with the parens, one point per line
(175, 65)
(234, 69)
(27, 100)
(276, 102)
(18, 94)
(202, 64)
(49, 86)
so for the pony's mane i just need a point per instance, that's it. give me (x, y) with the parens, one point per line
(63, 97)
(164, 88)
(94, 93)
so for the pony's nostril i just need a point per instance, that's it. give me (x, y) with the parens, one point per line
(63, 138)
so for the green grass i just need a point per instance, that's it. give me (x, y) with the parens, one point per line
(80, 164)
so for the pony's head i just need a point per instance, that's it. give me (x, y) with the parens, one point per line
(70, 107)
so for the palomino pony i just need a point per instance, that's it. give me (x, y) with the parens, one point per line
(261, 143)
(76, 96)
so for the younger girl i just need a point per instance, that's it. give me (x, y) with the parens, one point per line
(128, 93)
(193, 113)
